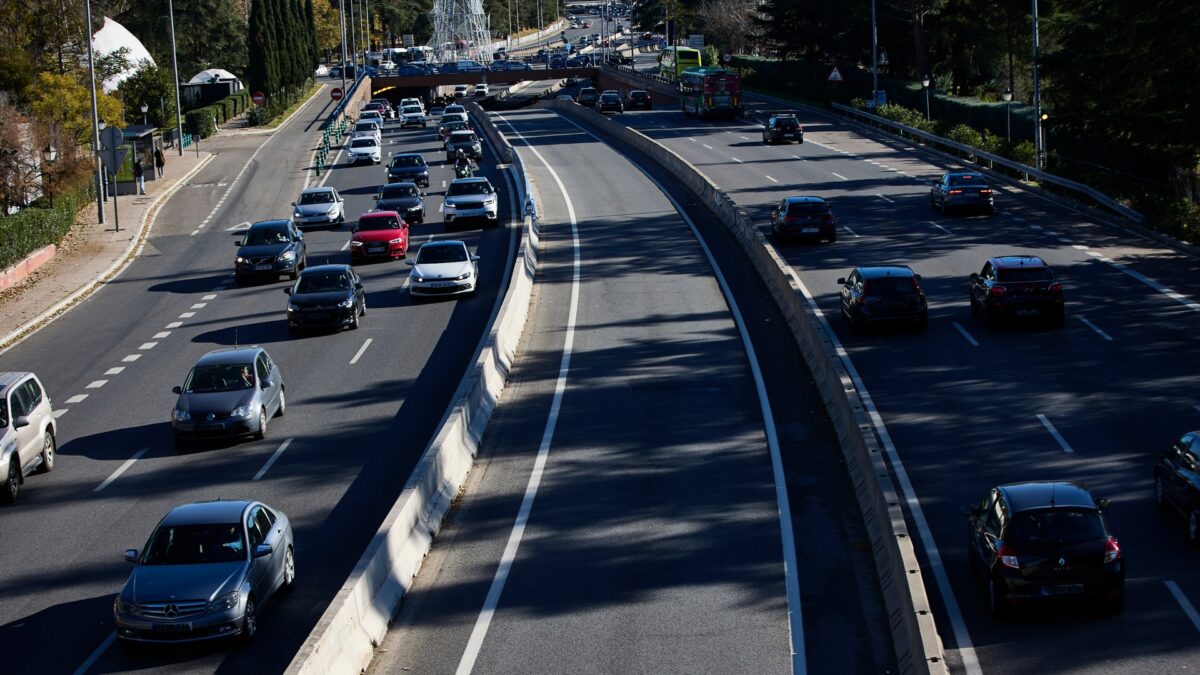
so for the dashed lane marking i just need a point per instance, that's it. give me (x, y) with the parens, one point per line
(963, 331)
(122, 469)
(77, 398)
(1096, 328)
(96, 384)
(115, 370)
(839, 175)
(131, 358)
(1062, 442)
(148, 345)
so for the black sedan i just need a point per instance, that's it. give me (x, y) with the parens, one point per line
(1041, 542)
(403, 198)
(271, 248)
(326, 296)
(1177, 481)
(962, 191)
(639, 99)
(408, 167)
(610, 101)
(873, 296)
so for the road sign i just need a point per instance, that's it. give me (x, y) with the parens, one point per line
(727, 58)
(835, 76)
(258, 97)
(408, 40)
(696, 41)
(335, 93)
(113, 159)
(112, 137)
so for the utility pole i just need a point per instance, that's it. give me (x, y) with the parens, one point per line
(96, 118)
(1039, 142)
(874, 57)
(175, 67)
(342, 16)
(353, 41)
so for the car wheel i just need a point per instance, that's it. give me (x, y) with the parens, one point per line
(289, 568)
(282, 404)
(12, 484)
(1194, 526)
(362, 310)
(1160, 496)
(48, 452)
(996, 600)
(262, 424)
(295, 274)
(249, 621)
(974, 308)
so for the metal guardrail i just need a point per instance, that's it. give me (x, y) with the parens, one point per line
(974, 153)
(336, 126)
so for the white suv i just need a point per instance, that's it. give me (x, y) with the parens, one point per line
(29, 431)
(412, 101)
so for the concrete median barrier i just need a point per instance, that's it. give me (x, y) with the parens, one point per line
(914, 633)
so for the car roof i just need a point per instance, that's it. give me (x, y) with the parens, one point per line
(270, 225)
(462, 132)
(885, 271)
(444, 242)
(804, 200)
(316, 190)
(1011, 261)
(471, 179)
(230, 355)
(1044, 494)
(9, 379)
(965, 174)
(331, 267)
(207, 513)
(408, 154)
(637, 91)
(406, 183)
(378, 214)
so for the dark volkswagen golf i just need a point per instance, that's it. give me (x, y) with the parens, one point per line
(403, 198)
(1177, 481)
(873, 296)
(408, 167)
(326, 296)
(1041, 542)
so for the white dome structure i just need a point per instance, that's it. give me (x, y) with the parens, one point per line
(212, 75)
(113, 36)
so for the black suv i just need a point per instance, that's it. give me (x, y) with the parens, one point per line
(874, 296)
(963, 191)
(639, 98)
(1177, 481)
(782, 127)
(803, 218)
(587, 96)
(610, 101)
(1017, 286)
(1044, 541)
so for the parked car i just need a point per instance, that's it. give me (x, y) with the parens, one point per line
(466, 141)
(379, 235)
(803, 218)
(874, 296)
(470, 198)
(409, 166)
(1016, 286)
(326, 296)
(318, 206)
(610, 101)
(443, 268)
(639, 99)
(403, 198)
(1177, 481)
(1042, 542)
(587, 96)
(229, 393)
(782, 127)
(365, 149)
(962, 190)
(270, 248)
(206, 573)
(28, 431)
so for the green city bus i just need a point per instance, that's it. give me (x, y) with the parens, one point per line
(710, 91)
(674, 60)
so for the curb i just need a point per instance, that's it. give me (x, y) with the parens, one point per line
(264, 132)
(132, 251)
(20, 270)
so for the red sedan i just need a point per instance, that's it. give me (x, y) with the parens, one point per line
(379, 234)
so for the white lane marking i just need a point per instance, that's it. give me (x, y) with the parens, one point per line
(707, 146)
(187, 315)
(1079, 247)
(693, 140)
(443, 184)
(1062, 442)
(852, 232)
(239, 226)
(122, 469)
(274, 456)
(742, 137)
(116, 370)
(886, 199)
(91, 660)
(148, 345)
(199, 305)
(174, 324)
(1184, 603)
(1177, 297)
(467, 663)
(839, 175)
(210, 296)
(965, 334)
(359, 353)
(1091, 253)
(1096, 328)
(939, 227)
(345, 245)
(1035, 227)
(772, 179)
(96, 384)
(798, 157)
(162, 334)
(962, 637)
(737, 160)
(194, 232)
(77, 398)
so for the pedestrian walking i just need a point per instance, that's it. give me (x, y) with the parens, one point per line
(159, 161)
(139, 175)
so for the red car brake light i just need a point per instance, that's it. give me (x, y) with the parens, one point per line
(1055, 288)
(1008, 557)
(1112, 550)
(955, 192)
(997, 291)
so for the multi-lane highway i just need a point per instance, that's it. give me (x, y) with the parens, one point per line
(361, 406)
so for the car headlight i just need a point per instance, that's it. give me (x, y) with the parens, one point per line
(417, 207)
(226, 602)
(297, 214)
(241, 411)
(240, 260)
(416, 279)
(464, 275)
(356, 244)
(347, 303)
(181, 415)
(123, 606)
(293, 308)
(397, 240)
(490, 199)
(287, 255)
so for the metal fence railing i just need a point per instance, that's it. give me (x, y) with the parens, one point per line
(976, 155)
(336, 126)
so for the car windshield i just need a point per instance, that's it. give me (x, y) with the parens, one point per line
(1062, 527)
(970, 179)
(411, 110)
(786, 123)
(463, 137)
(441, 254)
(365, 126)
(806, 209)
(316, 198)
(1023, 274)
(265, 236)
(321, 282)
(610, 97)
(451, 109)
(206, 379)
(363, 143)
(407, 161)
(469, 188)
(195, 545)
(884, 287)
(393, 191)
(378, 223)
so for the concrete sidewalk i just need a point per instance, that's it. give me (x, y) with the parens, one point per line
(91, 254)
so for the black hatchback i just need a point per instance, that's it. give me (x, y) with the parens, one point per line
(270, 248)
(326, 296)
(782, 127)
(962, 191)
(409, 166)
(875, 296)
(1042, 542)
(1177, 481)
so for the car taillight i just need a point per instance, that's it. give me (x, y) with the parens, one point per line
(997, 291)
(956, 192)
(985, 191)
(789, 219)
(1112, 550)
(827, 218)
(1055, 288)
(1008, 557)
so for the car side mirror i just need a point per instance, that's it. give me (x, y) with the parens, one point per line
(177, 389)
(288, 290)
(474, 258)
(20, 422)
(917, 277)
(841, 281)
(131, 555)
(1103, 503)
(263, 550)
(358, 285)
(267, 383)
(293, 203)
(238, 243)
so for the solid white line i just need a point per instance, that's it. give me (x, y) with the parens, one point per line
(96, 384)
(965, 334)
(274, 456)
(707, 146)
(1062, 442)
(162, 334)
(77, 398)
(772, 179)
(122, 469)
(148, 345)
(839, 175)
(1096, 328)
(483, 622)
(890, 201)
(359, 353)
(115, 370)
(939, 227)
(1188, 609)
(91, 660)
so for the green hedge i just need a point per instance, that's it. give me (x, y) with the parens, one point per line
(40, 225)
(199, 122)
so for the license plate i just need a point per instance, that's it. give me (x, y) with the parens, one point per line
(178, 627)
(317, 315)
(263, 268)
(1063, 589)
(810, 230)
(1027, 312)
(441, 284)
(376, 249)
(211, 427)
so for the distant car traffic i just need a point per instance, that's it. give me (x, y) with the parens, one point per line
(639, 98)
(962, 191)
(205, 573)
(379, 234)
(365, 149)
(1011, 287)
(326, 296)
(782, 127)
(269, 249)
(443, 268)
(1177, 481)
(437, 111)
(385, 106)
(803, 218)
(610, 101)
(876, 296)
(229, 393)
(482, 89)
(412, 101)
(28, 431)
(408, 167)
(461, 90)
(318, 206)
(470, 198)
(447, 128)
(403, 198)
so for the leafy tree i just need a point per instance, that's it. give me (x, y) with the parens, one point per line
(155, 87)
(63, 101)
(328, 27)
(208, 33)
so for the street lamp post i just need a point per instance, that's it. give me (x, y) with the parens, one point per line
(1038, 141)
(175, 67)
(925, 83)
(342, 16)
(145, 108)
(1008, 114)
(875, 58)
(95, 117)
(49, 154)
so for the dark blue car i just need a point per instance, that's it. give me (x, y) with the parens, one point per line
(271, 248)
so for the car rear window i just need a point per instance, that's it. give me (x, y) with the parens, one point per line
(363, 143)
(884, 287)
(1061, 527)
(786, 123)
(967, 180)
(807, 208)
(393, 191)
(1017, 274)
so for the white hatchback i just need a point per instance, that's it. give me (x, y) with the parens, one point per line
(443, 268)
(364, 149)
